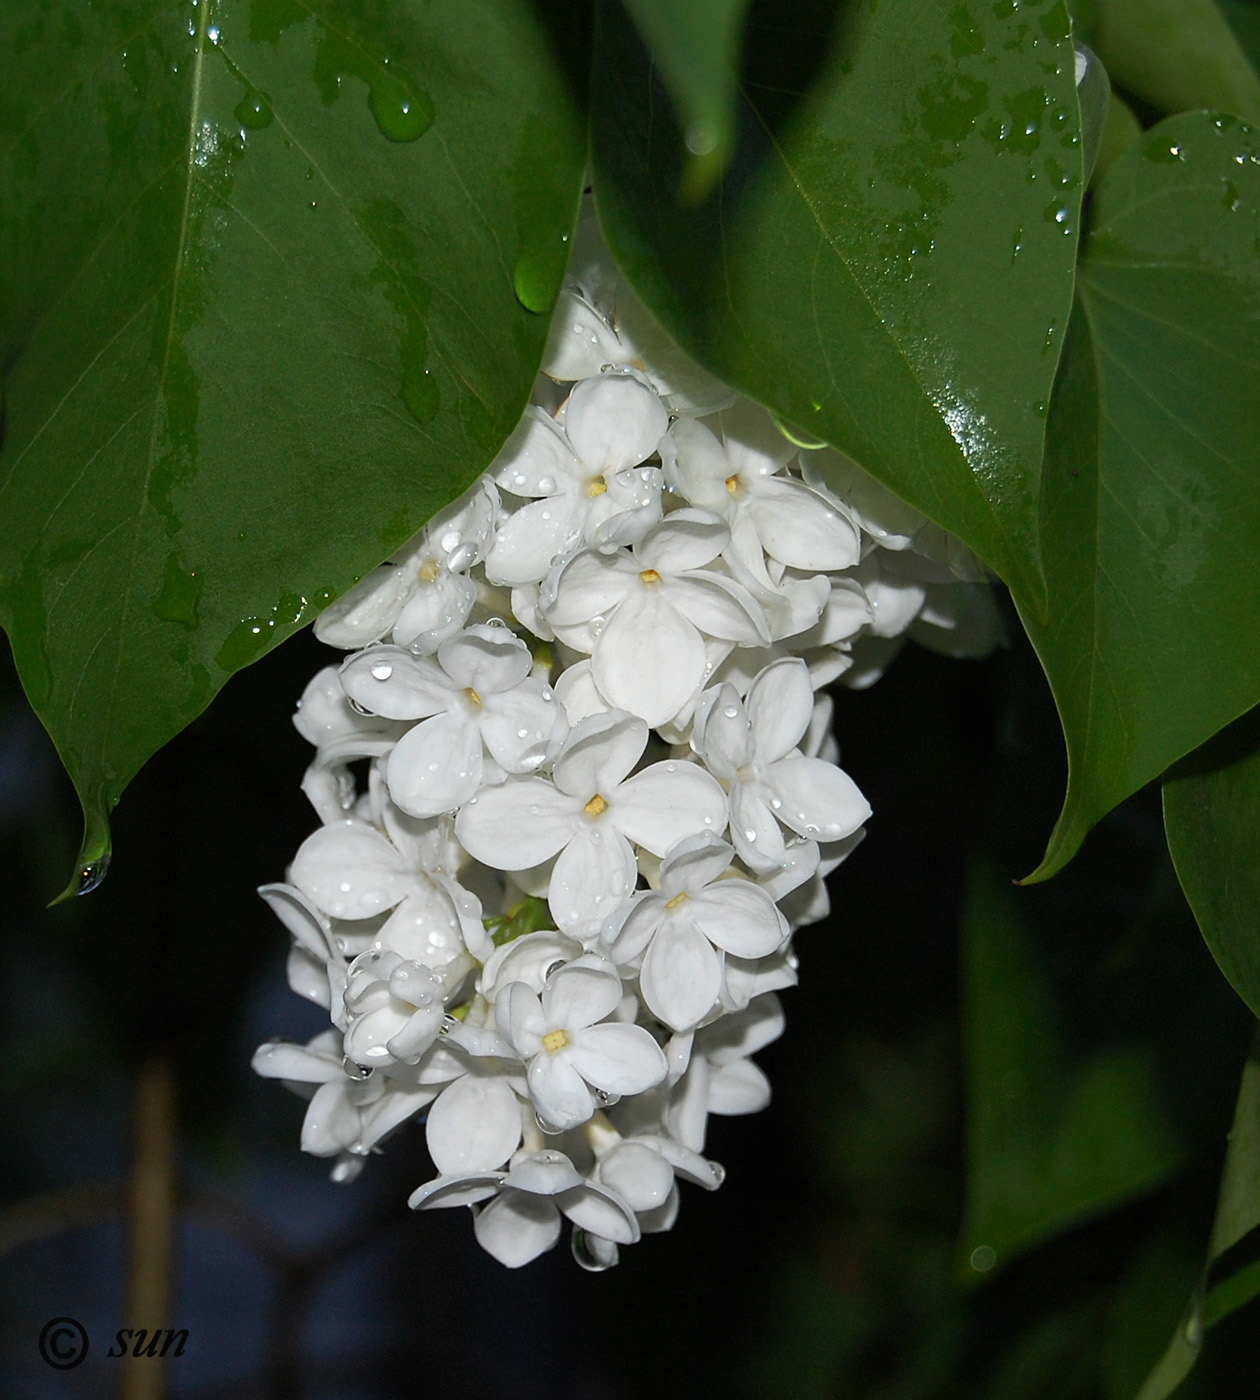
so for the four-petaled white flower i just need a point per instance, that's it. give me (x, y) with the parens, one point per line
(752, 746)
(477, 696)
(570, 1049)
(644, 614)
(588, 472)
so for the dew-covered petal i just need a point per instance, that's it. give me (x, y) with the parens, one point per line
(365, 612)
(545, 1173)
(462, 1189)
(536, 458)
(581, 993)
(756, 834)
(529, 960)
(589, 585)
(560, 1094)
(739, 917)
(523, 727)
(519, 1016)
(435, 611)
(391, 682)
(518, 824)
(694, 862)
(529, 539)
(580, 342)
(299, 915)
(780, 706)
(613, 421)
(819, 799)
(485, 659)
(723, 731)
(741, 1087)
(743, 1033)
(517, 1226)
(668, 801)
(640, 1176)
(618, 1058)
(474, 1125)
(600, 1211)
(592, 875)
(700, 467)
(800, 529)
(685, 539)
(649, 659)
(598, 754)
(682, 975)
(437, 765)
(719, 607)
(280, 1059)
(331, 1123)
(349, 870)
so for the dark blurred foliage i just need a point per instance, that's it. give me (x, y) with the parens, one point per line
(828, 1265)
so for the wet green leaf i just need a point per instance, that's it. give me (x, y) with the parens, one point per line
(1232, 1275)
(696, 47)
(1176, 55)
(269, 283)
(1056, 1132)
(1212, 817)
(1150, 515)
(887, 261)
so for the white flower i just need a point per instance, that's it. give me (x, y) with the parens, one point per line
(568, 1052)
(741, 478)
(647, 613)
(587, 472)
(424, 597)
(589, 814)
(682, 931)
(479, 695)
(752, 746)
(394, 1009)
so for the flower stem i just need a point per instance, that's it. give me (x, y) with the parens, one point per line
(152, 1221)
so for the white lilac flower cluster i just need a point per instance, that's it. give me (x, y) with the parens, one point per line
(577, 787)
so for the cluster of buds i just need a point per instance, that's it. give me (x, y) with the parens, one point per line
(577, 787)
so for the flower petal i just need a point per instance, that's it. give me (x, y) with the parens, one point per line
(391, 682)
(602, 1212)
(485, 659)
(474, 1125)
(351, 871)
(818, 798)
(780, 706)
(739, 917)
(682, 975)
(666, 802)
(600, 751)
(516, 1227)
(437, 765)
(799, 528)
(649, 659)
(520, 823)
(559, 1092)
(581, 993)
(592, 875)
(613, 421)
(618, 1058)
(686, 539)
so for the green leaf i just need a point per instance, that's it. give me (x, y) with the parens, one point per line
(1232, 1275)
(696, 47)
(1212, 817)
(887, 262)
(1150, 517)
(270, 276)
(1055, 1133)
(1176, 55)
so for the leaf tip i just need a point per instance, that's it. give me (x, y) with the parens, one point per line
(92, 864)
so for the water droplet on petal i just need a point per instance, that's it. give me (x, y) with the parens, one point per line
(382, 671)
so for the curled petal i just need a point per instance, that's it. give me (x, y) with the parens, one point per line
(516, 1227)
(819, 799)
(559, 1092)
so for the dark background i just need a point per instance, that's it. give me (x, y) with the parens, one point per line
(828, 1263)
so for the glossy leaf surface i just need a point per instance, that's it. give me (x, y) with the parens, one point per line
(1149, 510)
(696, 46)
(887, 262)
(270, 284)
(1212, 817)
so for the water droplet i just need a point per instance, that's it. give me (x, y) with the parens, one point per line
(382, 671)
(355, 1071)
(90, 875)
(420, 394)
(983, 1258)
(546, 485)
(403, 111)
(719, 1172)
(462, 558)
(605, 1099)
(253, 111)
(597, 625)
(730, 711)
(585, 1255)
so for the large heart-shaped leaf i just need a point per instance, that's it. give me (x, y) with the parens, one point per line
(1212, 817)
(887, 262)
(269, 280)
(1150, 515)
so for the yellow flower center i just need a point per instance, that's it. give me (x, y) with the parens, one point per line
(596, 807)
(428, 571)
(732, 484)
(677, 900)
(473, 698)
(596, 487)
(650, 576)
(556, 1040)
